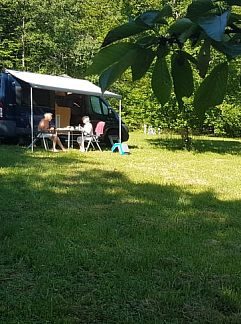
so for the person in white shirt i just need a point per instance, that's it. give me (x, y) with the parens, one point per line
(87, 130)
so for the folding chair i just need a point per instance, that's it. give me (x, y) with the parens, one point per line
(94, 139)
(40, 136)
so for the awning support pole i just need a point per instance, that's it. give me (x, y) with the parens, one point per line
(31, 99)
(120, 121)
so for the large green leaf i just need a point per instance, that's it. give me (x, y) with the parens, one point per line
(126, 30)
(214, 26)
(108, 56)
(191, 33)
(183, 28)
(230, 48)
(199, 8)
(212, 90)
(203, 58)
(182, 77)
(142, 63)
(153, 17)
(147, 41)
(161, 81)
(190, 58)
(166, 11)
(163, 49)
(111, 74)
(180, 26)
(150, 18)
(145, 21)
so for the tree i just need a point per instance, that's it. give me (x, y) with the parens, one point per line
(55, 37)
(176, 48)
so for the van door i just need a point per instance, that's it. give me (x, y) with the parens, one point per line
(7, 106)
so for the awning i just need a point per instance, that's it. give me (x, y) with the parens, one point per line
(61, 83)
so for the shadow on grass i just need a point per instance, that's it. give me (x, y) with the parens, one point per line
(199, 145)
(20, 156)
(94, 247)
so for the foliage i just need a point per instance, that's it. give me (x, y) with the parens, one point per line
(231, 116)
(61, 37)
(225, 121)
(55, 37)
(155, 38)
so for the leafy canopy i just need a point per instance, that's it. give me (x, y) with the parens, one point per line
(156, 40)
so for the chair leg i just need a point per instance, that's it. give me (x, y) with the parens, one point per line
(97, 144)
(88, 145)
(45, 144)
(38, 137)
(91, 142)
(33, 142)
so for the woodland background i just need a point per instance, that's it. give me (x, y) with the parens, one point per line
(61, 37)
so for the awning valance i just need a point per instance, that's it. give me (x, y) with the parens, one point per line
(61, 83)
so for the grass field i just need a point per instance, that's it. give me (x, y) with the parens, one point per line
(152, 237)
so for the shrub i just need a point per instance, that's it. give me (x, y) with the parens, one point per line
(224, 121)
(231, 116)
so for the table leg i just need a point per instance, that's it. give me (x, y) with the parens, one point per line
(68, 140)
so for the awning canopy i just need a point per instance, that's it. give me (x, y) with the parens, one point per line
(61, 83)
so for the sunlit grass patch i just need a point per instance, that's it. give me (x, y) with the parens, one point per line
(150, 237)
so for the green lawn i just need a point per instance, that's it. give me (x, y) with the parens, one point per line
(152, 237)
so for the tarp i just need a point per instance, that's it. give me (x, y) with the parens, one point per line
(61, 83)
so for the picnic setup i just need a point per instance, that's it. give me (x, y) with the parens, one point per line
(78, 134)
(61, 111)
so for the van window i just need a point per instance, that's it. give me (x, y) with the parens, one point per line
(18, 93)
(1, 94)
(105, 108)
(99, 106)
(95, 103)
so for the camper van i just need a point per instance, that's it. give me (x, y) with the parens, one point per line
(26, 96)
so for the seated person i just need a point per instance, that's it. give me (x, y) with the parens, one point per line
(49, 132)
(87, 130)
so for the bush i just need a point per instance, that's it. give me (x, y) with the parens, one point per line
(231, 115)
(224, 121)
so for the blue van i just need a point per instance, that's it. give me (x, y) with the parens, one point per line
(67, 108)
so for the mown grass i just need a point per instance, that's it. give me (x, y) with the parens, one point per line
(152, 237)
